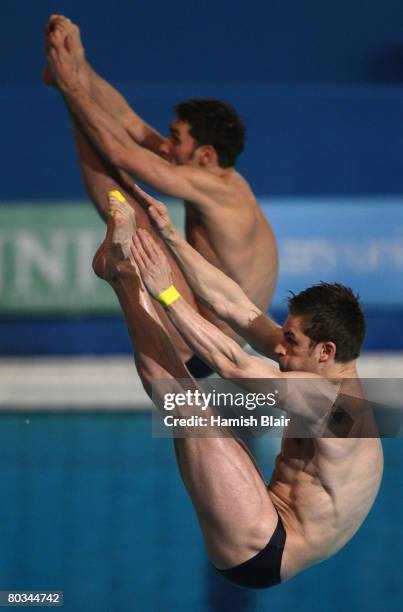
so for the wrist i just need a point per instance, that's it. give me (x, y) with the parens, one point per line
(170, 235)
(168, 296)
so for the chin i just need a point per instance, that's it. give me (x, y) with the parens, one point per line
(293, 368)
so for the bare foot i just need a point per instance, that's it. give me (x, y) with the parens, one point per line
(114, 260)
(76, 48)
(114, 257)
(72, 42)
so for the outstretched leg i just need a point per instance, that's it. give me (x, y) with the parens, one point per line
(231, 499)
(100, 177)
(114, 263)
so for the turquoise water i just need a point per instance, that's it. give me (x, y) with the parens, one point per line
(93, 506)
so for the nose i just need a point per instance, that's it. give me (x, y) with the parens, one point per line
(280, 349)
(165, 148)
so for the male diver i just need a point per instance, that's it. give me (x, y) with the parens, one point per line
(195, 163)
(322, 487)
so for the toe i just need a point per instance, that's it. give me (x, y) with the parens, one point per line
(113, 202)
(119, 196)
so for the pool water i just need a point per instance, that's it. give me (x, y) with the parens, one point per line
(92, 505)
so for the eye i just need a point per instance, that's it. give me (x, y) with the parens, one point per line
(175, 139)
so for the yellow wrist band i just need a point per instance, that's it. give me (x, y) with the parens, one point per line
(169, 296)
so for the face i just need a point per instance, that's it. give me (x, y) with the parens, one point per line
(295, 352)
(180, 147)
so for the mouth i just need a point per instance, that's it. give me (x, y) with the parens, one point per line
(281, 365)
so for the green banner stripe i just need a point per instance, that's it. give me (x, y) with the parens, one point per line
(46, 253)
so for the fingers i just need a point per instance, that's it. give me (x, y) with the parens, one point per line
(136, 256)
(147, 245)
(139, 253)
(156, 255)
(148, 250)
(146, 242)
(144, 198)
(155, 215)
(155, 209)
(155, 250)
(151, 262)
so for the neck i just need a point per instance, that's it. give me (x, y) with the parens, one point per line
(339, 370)
(218, 171)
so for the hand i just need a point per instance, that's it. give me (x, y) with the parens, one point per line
(156, 210)
(152, 263)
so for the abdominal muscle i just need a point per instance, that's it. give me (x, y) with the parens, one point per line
(322, 501)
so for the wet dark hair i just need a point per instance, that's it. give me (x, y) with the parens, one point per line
(331, 312)
(215, 123)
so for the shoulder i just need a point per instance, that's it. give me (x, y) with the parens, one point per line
(227, 187)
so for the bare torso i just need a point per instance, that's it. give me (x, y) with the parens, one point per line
(235, 236)
(323, 488)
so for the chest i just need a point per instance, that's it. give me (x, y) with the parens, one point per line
(199, 234)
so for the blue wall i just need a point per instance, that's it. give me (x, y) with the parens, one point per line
(319, 85)
(301, 140)
(187, 41)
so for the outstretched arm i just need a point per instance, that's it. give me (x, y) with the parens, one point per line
(311, 397)
(104, 94)
(219, 351)
(110, 100)
(211, 286)
(112, 140)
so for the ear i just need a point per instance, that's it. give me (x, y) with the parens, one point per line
(206, 155)
(327, 351)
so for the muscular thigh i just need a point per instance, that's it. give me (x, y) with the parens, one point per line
(235, 512)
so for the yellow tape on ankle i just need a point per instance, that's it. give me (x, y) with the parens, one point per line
(169, 296)
(117, 195)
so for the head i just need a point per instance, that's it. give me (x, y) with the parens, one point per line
(325, 328)
(205, 132)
